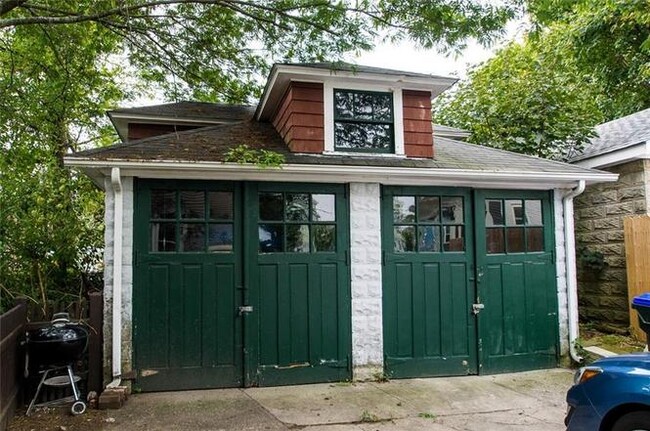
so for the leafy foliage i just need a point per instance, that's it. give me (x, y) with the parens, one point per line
(263, 158)
(63, 63)
(584, 62)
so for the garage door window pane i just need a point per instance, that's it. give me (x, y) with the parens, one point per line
(493, 213)
(452, 210)
(163, 204)
(221, 205)
(192, 237)
(429, 239)
(534, 212)
(271, 238)
(323, 207)
(453, 238)
(535, 239)
(163, 237)
(404, 209)
(495, 241)
(429, 209)
(405, 238)
(298, 238)
(297, 207)
(271, 206)
(514, 212)
(515, 239)
(324, 237)
(220, 238)
(192, 205)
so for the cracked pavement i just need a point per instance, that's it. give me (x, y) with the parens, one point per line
(532, 400)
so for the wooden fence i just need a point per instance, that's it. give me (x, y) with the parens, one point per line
(13, 326)
(637, 257)
(12, 330)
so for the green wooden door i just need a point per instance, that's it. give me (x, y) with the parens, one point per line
(187, 285)
(298, 276)
(516, 281)
(428, 285)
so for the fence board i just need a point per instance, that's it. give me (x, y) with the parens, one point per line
(95, 322)
(637, 257)
(12, 328)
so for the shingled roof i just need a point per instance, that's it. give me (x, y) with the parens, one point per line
(355, 68)
(618, 134)
(192, 110)
(210, 144)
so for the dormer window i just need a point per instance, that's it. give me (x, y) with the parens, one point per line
(363, 121)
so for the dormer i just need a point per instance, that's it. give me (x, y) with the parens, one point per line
(148, 121)
(343, 109)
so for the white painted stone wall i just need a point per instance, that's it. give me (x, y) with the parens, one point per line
(366, 284)
(127, 275)
(560, 266)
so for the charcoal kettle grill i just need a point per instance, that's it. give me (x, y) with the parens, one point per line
(55, 348)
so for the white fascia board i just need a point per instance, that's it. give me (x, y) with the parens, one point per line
(341, 174)
(639, 151)
(164, 119)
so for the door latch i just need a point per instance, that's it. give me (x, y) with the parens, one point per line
(476, 308)
(245, 309)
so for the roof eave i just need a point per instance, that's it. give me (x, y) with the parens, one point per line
(340, 174)
(617, 156)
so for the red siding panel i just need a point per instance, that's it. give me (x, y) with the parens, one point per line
(299, 118)
(418, 130)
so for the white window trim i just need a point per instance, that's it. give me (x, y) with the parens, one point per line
(328, 114)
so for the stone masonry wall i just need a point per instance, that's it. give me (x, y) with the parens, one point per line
(127, 275)
(599, 214)
(365, 253)
(560, 270)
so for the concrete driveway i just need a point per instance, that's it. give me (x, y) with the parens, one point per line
(531, 400)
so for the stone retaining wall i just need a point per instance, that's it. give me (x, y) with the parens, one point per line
(599, 214)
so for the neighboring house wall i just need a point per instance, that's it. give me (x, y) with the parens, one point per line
(418, 132)
(127, 275)
(299, 119)
(600, 211)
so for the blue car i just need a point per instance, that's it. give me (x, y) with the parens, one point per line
(612, 394)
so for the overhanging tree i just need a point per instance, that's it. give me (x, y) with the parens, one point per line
(64, 62)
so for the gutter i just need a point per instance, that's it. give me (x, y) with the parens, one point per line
(118, 213)
(570, 261)
(338, 173)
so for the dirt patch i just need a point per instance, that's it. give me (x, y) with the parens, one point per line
(60, 419)
(615, 343)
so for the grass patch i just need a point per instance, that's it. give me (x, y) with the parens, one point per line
(427, 415)
(368, 417)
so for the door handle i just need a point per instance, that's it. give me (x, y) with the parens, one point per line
(476, 308)
(245, 309)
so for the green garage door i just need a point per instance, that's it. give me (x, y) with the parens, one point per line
(516, 281)
(187, 285)
(299, 278)
(240, 284)
(468, 281)
(429, 328)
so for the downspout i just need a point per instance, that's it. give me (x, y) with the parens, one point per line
(116, 181)
(570, 262)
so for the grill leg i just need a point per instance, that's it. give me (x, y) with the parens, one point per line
(75, 391)
(38, 391)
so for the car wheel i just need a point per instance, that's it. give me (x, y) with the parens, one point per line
(635, 421)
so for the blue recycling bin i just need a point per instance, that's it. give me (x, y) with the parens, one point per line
(641, 304)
